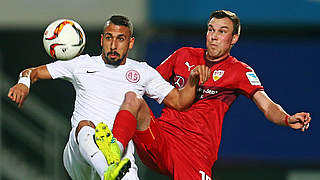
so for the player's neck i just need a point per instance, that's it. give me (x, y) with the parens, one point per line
(123, 61)
(216, 59)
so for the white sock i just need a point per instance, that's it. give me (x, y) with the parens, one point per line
(90, 152)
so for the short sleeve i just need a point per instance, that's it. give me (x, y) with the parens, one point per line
(166, 67)
(157, 88)
(248, 82)
(63, 69)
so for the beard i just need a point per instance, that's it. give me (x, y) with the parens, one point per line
(112, 61)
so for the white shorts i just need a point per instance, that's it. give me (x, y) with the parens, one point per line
(78, 168)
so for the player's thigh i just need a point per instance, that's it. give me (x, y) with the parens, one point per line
(75, 165)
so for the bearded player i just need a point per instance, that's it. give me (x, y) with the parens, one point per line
(100, 83)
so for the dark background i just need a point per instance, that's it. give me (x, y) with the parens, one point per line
(281, 45)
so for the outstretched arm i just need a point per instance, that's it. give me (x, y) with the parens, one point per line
(183, 98)
(277, 115)
(20, 91)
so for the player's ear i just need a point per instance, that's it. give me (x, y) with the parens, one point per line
(101, 40)
(235, 38)
(131, 42)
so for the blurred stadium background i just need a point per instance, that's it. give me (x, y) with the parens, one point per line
(279, 39)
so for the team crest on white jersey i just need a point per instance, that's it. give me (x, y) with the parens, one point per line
(217, 74)
(253, 78)
(133, 76)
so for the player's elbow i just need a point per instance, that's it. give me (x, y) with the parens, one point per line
(175, 104)
(180, 107)
(177, 100)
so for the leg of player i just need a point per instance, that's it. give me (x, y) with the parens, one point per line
(85, 134)
(109, 147)
(133, 108)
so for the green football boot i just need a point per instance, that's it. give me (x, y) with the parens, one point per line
(107, 144)
(118, 170)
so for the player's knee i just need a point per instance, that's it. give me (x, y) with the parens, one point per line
(83, 123)
(132, 101)
(143, 117)
(86, 142)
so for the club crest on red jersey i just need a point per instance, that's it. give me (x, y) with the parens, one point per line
(133, 76)
(217, 74)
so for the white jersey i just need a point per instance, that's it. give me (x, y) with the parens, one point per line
(100, 90)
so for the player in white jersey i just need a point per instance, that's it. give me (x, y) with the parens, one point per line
(101, 83)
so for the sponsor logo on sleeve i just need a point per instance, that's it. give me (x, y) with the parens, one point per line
(253, 78)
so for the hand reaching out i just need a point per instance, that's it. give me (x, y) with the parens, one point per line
(299, 120)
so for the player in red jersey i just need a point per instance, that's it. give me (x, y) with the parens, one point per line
(184, 144)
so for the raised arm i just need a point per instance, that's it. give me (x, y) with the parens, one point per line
(183, 98)
(277, 115)
(20, 91)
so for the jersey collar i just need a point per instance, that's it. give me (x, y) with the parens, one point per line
(212, 63)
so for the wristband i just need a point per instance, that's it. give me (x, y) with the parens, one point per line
(286, 120)
(25, 81)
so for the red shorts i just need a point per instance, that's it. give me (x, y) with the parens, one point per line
(161, 151)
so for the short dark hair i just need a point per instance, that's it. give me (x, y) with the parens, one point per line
(120, 21)
(219, 14)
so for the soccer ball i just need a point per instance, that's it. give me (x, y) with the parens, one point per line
(64, 39)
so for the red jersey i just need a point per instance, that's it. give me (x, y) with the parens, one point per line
(197, 131)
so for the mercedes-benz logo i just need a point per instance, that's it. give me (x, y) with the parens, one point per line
(179, 81)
